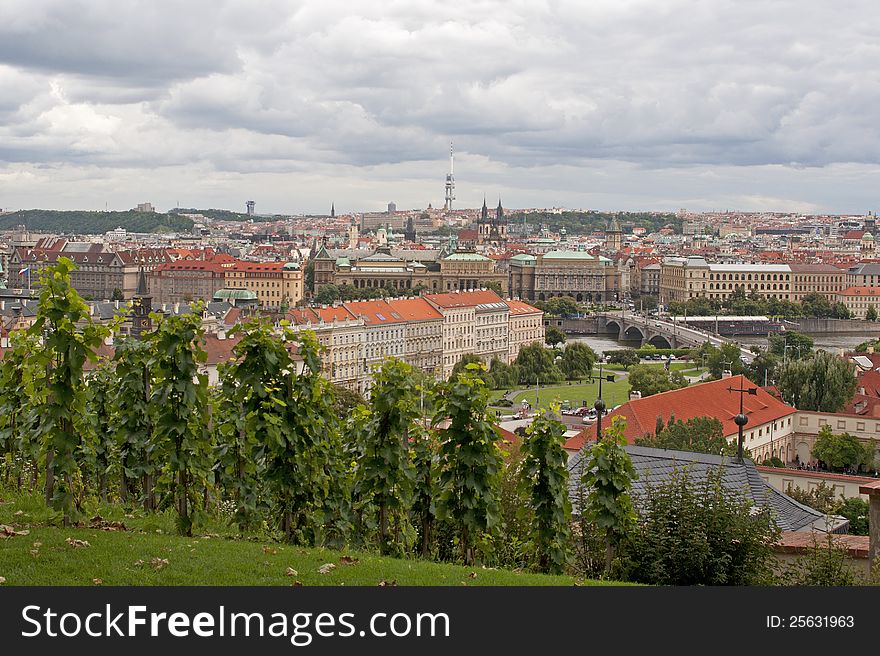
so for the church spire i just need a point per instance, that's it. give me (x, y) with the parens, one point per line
(499, 211)
(332, 210)
(484, 213)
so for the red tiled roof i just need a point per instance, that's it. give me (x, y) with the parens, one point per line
(806, 473)
(374, 313)
(468, 235)
(302, 316)
(464, 299)
(415, 309)
(519, 307)
(709, 399)
(219, 350)
(860, 291)
(857, 546)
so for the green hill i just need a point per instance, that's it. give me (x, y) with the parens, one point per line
(83, 222)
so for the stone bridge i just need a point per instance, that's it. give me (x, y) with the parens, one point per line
(658, 332)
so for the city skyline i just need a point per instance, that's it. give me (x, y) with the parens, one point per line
(613, 106)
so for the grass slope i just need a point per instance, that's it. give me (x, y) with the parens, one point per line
(45, 556)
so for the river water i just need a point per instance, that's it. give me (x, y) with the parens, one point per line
(834, 342)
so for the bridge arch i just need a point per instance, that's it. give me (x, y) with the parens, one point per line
(633, 333)
(660, 342)
(612, 327)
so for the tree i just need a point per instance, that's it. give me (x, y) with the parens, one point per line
(22, 392)
(577, 360)
(462, 365)
(179, 404)
(554, 336)
(470, 462)
(823, 382)
(134, 421)
(345, 400)
(327, 295)
(384, 474)
(99, 443)
(254, 391)
(790, 345)
(537, 363)
(843, 451)
(652, 380)
(544, 477)
(697, 531)
(117, 295)
(763, 368)
(309, 276)
(298, 467)
(698, 435)
(871, 314)
(561, 306)
(501, 375)
(726, 358)
(495, 286)
(607, 473)
(626, 357)
(66, 346)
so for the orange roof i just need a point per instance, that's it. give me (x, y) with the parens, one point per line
(414, 309)
(860, 291)
(518, 307)
(709, 399)
(463, 299)
(328, 314)
(189, 265)
(374, 313)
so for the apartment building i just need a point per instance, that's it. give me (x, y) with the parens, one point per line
(864, 274)
(431, 332)
(692, 277)
(423, 333)
(858, 299)
(341, 333)
(823, 279)
(274, 283)
(526, 326)
(384, 333)
(100, 272)
(186, 280)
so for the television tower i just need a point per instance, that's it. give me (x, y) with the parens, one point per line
(450, 181)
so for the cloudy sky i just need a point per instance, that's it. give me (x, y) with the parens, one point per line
(606, 104)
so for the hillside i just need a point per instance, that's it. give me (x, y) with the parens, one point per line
(83, 222)
(133, 549)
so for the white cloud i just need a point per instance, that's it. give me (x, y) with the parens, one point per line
(633, 104)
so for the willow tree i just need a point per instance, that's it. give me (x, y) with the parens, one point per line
(470, 461)
(179, 405)
(69, 338)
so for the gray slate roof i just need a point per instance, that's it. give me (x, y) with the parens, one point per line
(655, 467)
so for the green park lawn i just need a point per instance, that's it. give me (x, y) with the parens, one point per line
(148, 553)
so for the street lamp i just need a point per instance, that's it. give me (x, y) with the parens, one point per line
(741, 419)
(599, 404)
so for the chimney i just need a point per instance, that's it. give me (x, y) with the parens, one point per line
(164, 307)
(117, 304)
(726, 374)
(177, 308)
(634, 395)
(4, 342)
(221, 334)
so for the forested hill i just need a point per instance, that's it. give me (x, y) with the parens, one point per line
(585, 222)
(84, 222)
